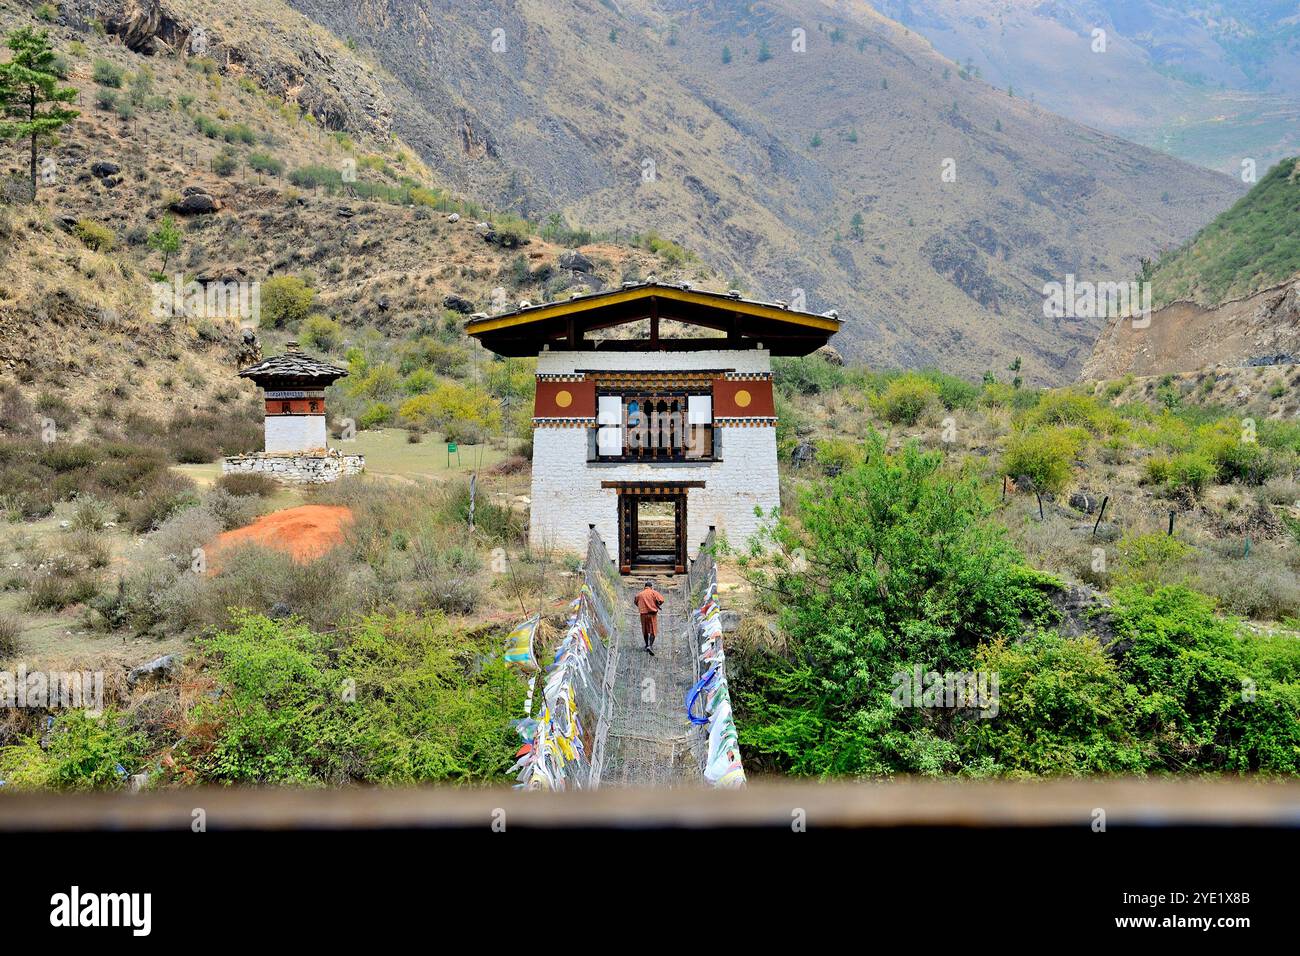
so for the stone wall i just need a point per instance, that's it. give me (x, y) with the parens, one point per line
(304, 469)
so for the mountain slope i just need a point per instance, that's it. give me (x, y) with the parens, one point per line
(1231, 295)
(765, 164)
(1251, 246)
(1210, 81)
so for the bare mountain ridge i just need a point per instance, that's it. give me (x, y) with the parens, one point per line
(762, 163)
(818, 170)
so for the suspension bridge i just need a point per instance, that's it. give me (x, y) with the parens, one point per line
(604, 713)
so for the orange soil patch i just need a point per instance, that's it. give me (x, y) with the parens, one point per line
(305, 532)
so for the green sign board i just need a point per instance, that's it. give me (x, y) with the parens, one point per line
(451, 447)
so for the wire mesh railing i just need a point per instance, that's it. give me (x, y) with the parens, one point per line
(565, 742)
(708, 702)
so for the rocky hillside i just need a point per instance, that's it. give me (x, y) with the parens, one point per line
(229, 150)
(821, 170)
(1210, 81)
(1230, 296)
(1259, 329)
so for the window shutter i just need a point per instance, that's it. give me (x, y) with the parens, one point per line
(700, 410)
(609, 416)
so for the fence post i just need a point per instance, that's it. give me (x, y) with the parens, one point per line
(1101, 514)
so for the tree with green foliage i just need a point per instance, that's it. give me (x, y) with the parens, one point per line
(166, 239)
(899, 566)
(30, 94)
(286, 301)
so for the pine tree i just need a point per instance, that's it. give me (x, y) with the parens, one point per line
(28, 82)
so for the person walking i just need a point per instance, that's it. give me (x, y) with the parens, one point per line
(648, 602)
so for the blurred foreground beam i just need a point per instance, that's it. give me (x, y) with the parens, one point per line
(903, 803)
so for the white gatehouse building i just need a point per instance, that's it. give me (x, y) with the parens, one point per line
(657, 438)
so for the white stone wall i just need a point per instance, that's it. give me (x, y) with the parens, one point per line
(567, 495)
(287, 433)
(296, 469)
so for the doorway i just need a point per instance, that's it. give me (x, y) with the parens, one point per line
(652, 531)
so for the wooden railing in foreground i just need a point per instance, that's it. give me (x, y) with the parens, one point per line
(1135, 804)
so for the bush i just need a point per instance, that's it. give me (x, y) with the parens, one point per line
(413, 678)
(447, 576)
(225, 163)
(1068, 408)
(286, 301)
(79, 752)
(265, 163)
(94, 236)
(10, 630)
(806, 375)
(1063, 708)
(1045, 456)
(906, 399)
(90, 514)
(376, 416)
(167, 495)
(249, 484)
(231, 511)
(178, 536)
(321, 333)
(107, 74)
(1190, 669)
(53, 591)
(904, 567)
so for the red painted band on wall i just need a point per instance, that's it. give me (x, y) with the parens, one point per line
(565, 400)
(751, 399)
(295, 406)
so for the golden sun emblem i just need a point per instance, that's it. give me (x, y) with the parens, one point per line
(563, 398)
(743, 398)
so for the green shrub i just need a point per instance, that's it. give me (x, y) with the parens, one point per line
(395, 698)
(906, 399)
(903, 567)
(250, 484)
(806, 375)
(375, 416)
(1196, 677)
(265, 163)
(1063, 709)
(1045, 455)
(286, 301)
(107, 74)
(94, 236)
(225, 162)
(79, 752)
(320, 333)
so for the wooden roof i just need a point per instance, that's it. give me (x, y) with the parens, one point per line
(743, 323)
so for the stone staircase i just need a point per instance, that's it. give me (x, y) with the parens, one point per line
(655, 533)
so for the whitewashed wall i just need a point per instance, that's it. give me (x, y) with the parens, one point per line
(567, 495)
(295, 433)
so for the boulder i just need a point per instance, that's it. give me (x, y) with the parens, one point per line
(457, 304)
(1084, 501)
(160, 667)
(803, 453)
(831, 354)
(102, 170)
(195, 204)
(576, 261)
